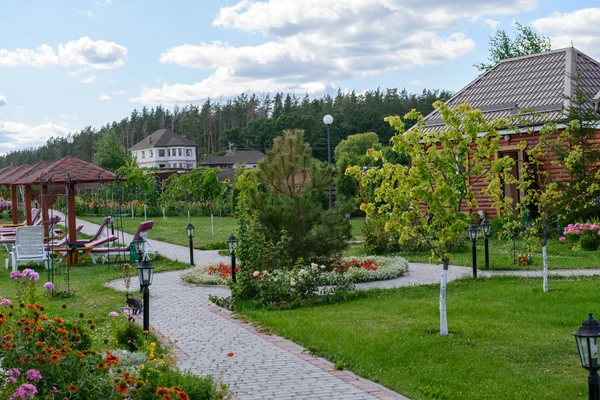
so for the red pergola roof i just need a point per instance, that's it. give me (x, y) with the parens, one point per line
(79, 172)
(9, 176)
(6, 172)
(34, 172)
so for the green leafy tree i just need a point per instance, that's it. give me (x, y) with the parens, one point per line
(110, 154)
(525, 42)
(427, 201)
(294, 201)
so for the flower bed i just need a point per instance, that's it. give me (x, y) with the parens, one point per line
(214, 274)
(584, 236)
(355, 269)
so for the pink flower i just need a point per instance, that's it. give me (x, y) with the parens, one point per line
(292, 283)
(49, 286)
(256, 273)
(5, 302)
(113, 314)
(265, 272)
(34, 375)
(562, 239)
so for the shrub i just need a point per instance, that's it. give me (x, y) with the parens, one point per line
(130, 337)
(215, 246)
(589, 241)
(585, 236)
(377, 240)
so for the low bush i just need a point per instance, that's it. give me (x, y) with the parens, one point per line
(365, 269)
(215, 246)
(585, 236)
(377, 240)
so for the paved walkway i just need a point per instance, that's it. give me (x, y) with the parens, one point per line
(264, 366)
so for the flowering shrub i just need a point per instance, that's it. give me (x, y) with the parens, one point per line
(524, 259)
(26, 285)
(213, 274)
(585, 236)
(5, 205)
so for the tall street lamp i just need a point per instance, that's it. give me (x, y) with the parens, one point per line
(486, 229)
(327, 120)
(190, 232)
(138, 244)
(70, 141)
(473, 231)
(145, 274)
(232, 246)
(587, 344)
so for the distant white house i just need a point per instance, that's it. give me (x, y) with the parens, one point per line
(234, 158)
(165, 149)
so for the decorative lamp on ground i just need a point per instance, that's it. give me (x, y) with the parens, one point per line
(486, 229)
(328, 120)
(70, 140)
(232, 246)
(473, 232)
(587, 343)
(139, 244)
(190, 233)
(145, 274)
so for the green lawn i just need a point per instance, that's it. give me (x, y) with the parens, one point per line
(560, 256)
(172, 229)
(508, 339)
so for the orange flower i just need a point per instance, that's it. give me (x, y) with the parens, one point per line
(230, 354)
(54, 358)
(73, 389)
(122, 387)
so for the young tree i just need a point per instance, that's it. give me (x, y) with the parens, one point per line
(110, 154)
(525, 42)
(294, 201)
(427, 200)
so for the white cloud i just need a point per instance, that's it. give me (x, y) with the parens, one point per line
(95, 54)
(415, 82)
(16, 135)
(581, 27)
(108, 96)
(89, 80)
(492, 23)
(314, 43)
(3, 101)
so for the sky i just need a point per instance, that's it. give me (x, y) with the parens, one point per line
(67, 64)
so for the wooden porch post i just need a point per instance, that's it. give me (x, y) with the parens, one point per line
(15, 204)
(28, 204)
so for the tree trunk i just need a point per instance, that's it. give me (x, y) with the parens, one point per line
(443, 320)
(545, 256)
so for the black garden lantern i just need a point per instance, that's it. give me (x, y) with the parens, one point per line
(139, 244)
(473, 232)
(145, 274)
(190, 233)
(232, 246)
(486, 229)
(587, 344)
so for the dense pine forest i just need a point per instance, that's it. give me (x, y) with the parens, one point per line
(248, 122)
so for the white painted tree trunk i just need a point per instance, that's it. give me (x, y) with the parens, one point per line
(443, 320)
(212, 222)
(545, 260)
(132, 210)
(145, 213)
(164, 214)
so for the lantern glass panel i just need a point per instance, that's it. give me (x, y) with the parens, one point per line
(232, 244)
(473, 231)
(190, 230)
(486, 227)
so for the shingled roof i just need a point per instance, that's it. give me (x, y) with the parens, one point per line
(539, 82)
(79, 172)
(233, 157)
(162, 138)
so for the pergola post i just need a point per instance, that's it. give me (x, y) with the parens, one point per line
(28, 205)
(44, 205)
(15, 204)
(71, 222)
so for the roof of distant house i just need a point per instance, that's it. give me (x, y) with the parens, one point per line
(233, 157)
(162, 138)
(539, 82)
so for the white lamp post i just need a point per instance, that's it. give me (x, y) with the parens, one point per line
(70, 140)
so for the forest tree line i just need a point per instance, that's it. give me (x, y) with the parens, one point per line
(248, 122)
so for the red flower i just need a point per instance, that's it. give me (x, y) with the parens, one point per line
(230, 354)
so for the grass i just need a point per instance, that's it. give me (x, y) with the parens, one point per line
(560, 256)
(508, 339)
(91, 296)
(172, 229)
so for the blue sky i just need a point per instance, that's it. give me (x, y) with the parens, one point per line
(66, 64)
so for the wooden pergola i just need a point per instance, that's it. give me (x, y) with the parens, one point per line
(47, 181)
